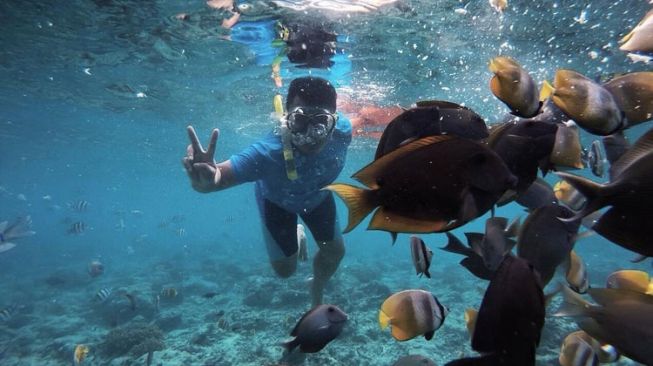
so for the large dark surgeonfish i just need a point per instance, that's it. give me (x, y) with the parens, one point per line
(525, 146)
(510, 319)
(630, 195)
(317, 328)
(545, 241)
(434, 184)
(431, 118)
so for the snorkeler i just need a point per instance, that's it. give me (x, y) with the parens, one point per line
(312, 146)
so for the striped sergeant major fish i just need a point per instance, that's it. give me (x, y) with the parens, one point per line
(102, 295)
(79, 206)
(77, 228)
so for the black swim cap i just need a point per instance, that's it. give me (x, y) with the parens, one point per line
(311, 92)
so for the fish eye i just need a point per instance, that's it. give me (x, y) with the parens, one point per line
(330, 309)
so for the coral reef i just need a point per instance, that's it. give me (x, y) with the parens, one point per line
(135, 339)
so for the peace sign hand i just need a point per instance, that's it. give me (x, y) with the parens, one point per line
(199, 163)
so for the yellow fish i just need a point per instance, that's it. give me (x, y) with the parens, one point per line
(633, 280)
(412, 313)
(640, 39)
(633, 93)
(81, 351)
(514, 87)
(589, 104)
(470, 321)
(569, 195)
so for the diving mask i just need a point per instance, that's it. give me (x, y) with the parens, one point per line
(310, 127)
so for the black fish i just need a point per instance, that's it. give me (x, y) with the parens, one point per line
(473, 261)
(495, 244)
(545, 241)
(627, 222)
(524, 146)
(510, 319)
(431, 118)
(434, 184)
(539, 193)
(317, 328)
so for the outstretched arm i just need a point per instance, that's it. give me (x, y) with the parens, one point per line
(204, 173)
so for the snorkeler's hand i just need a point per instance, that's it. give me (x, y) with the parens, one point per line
(199, 163)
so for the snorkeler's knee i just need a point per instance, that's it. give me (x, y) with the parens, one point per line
(285, 267)
(335, 248)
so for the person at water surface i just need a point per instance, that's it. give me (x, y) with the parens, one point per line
(312, 145)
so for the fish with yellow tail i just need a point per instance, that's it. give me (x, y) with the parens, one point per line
(514, 86)
(633, 93)
(589, 104)
(633, 280)
(470, 321)
(81, 351)
(412, 313)
(434, 184)
(640, 39)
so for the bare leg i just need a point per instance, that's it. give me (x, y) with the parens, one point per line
(285, 267)
(325, 265)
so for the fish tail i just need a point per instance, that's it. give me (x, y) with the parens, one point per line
(591, 190)
(290, 345)
(360, 202)
(573, 304)
(454, 245)
(384, 320)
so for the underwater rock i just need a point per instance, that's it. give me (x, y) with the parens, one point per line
(133, 339)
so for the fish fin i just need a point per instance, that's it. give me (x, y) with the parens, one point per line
(6, 246)
(393, 235)
(311, 348)
(546, 91)
(507, 197)
(513, 229)
(402, 334)
(439, 104)
(359, 202)
(573, 304)
(427, 273)
(384, 319)
(475, 241)
(290, 345)
(510, 244)
(429, 335)
(591, 190)
(471, 315)
(368, 174)
(407, 141)
(454, 245)
(638, 259)
(384, 219)
(642, 146)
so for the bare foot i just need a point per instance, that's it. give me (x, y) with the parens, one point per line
(221, 4)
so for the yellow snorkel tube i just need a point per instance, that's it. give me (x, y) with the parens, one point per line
(288, 158)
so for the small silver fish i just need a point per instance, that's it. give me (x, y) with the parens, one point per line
(595, 159)
(421, 255)
(302, 243)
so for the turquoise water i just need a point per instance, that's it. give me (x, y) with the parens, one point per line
(95, 99)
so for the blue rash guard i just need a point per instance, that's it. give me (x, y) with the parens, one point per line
(263, 163)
